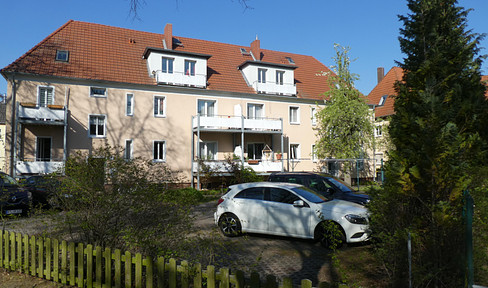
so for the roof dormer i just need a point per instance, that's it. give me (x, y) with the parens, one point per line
(270, 78)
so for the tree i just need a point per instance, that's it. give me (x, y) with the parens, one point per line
(345, 126)
(440, 139)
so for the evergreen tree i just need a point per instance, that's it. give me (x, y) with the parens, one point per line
(440, 138)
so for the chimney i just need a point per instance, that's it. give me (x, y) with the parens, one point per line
(380, 71)
(255, 49)
(168, 36)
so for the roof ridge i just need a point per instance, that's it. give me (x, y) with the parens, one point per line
(38, 44)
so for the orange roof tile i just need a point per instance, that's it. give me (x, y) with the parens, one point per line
(484, 80)
(386, 87)
(101, 52)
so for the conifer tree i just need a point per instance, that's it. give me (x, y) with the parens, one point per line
(440, 138)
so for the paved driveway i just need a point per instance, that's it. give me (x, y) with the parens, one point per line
(279, 256)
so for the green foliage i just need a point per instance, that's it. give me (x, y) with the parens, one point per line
(239, 173)
(344, 127)
(440, 139)
(119, 203)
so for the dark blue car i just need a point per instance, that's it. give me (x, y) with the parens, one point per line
(327, 185)
(13, 198)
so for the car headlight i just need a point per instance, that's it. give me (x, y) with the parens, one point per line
(356, 219)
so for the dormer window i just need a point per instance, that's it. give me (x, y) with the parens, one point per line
(290, 60)
(167, 66)
(279, 77)
(190, 68)
(262, 75)
(62, 55)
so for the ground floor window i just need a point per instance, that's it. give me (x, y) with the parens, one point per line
(159, 151)
(43, 149)
(208, 150)
(295, 152)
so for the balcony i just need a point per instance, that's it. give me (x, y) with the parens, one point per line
(51, 115)
(258, 166)
(181, 79)
(38, 167)
(288, 89)
(233, 123)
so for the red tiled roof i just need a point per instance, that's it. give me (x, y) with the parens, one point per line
(484, 80)
(386, 87)
(100, 52)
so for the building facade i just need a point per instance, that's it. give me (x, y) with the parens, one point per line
(171, 99)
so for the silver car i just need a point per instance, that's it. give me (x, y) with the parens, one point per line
(292, 210)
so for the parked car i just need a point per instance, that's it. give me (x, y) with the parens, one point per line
(13, 198)
(291, 210)
(42, 187)
(327, 185)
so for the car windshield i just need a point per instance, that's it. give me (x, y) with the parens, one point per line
(310, 195)
(6, 180)
(343, 187)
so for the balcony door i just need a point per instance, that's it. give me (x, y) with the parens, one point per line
(255, 151)
(43, 149)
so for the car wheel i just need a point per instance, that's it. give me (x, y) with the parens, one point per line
(330, 234)
(230, 225)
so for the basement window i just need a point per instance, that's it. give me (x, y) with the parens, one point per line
(62, 55)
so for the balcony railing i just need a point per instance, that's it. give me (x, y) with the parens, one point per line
(257, 166)
(38, 167)
(222, 122)
(53, 114)
(288, 89)
(181, 79)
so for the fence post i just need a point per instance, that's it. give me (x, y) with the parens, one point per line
(184, 274)
(48, 259)
(108, 267)
(26, 254)
(55, 247)
(128, 270)
(148, 262)
(33, 266)
(210, 276)
(138, 271)
(197, 279)
(161, 279)
(64, 260)
(118, 268)
(306, 283)
(81, 261)
(98, 266)
(172, 273)
(19, 252)
(224, 278)
(287, 283)
(40, 247)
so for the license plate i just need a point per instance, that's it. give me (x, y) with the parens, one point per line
(14, 211)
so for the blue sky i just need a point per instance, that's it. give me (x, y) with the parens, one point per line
(310, 27)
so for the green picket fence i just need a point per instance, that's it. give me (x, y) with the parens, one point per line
(87, 266)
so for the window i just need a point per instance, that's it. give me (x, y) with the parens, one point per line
(97, 125)
(295, 152)
(378, 131)
(206, 108)
(282, 196)
(46, 96)
(128, 149)
(43, 149)
(256, 193)
(382, 100)
(159, 151)
(159, 106)
(190, 68)
(290, 60)
(294, 115)
(62, 55)
(262, 75)
(255, 151)
(167, 65)
(314, 153)
(208, 150)
(279, 77)
(255, 111)
(98, 92)
(129, 104)
(314, 115)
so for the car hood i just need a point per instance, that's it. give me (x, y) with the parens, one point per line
(343, 207)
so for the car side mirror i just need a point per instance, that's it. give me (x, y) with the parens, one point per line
(298, 203)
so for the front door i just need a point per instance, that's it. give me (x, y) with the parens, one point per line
(43, 149)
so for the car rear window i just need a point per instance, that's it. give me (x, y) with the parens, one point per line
(310, 195)
(251, 193)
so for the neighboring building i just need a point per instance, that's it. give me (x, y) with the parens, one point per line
(166, 98)
(3, 127)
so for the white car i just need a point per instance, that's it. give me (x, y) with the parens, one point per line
(292, 210)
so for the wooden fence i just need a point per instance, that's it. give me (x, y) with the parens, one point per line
(87, 266)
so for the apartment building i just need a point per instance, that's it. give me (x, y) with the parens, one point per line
(162, 97)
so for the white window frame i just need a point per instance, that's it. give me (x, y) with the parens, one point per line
(131, 112)
(158, 114)
(129, 149)
(314, 154)
(207, 101)
(39, 94)
(190, 67)
(205, 143)
(262, 75)
(313, 112)
(166, 69)
(104, 126)
(255, 150)
(104, 95)
(297, 121)
(280, 75)
(378, 128)
(294, 156)
(159, 158)
(382, 100)
(254, 110)
(59, 55)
